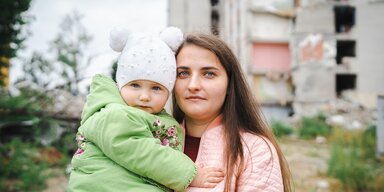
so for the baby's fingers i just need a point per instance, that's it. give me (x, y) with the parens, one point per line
(211, 182)
(215, 179)
(213, 171)
(216, 174)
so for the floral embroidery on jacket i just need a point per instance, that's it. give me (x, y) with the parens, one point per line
(80, 139)
(167, 136)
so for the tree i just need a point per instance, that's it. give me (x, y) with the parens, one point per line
(66, 67)
(69, 47)
(11, 21)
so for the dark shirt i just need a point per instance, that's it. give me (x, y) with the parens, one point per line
(191, 146)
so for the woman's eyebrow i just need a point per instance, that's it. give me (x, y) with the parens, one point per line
(203, 68)
(182, 67)
(209, 68)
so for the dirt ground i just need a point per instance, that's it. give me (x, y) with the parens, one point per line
(307, 161)
(58, 183)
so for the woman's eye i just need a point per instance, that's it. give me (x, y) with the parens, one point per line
(209, 74)
(182, 74)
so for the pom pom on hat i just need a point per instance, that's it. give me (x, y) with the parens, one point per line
(172, 36)
(145, 57)
(117, 38)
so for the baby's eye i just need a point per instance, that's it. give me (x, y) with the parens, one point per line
(157, 88)
(135, 85)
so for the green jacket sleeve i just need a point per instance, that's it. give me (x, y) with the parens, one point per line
(126, 139)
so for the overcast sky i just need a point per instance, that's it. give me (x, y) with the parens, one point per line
(99, 17)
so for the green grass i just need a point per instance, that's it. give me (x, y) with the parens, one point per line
(281, 129)
(352, 160)
(21, 170)
(311, 127)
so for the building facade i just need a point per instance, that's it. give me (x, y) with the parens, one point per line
(299, 55)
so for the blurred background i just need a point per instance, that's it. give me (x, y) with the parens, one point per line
(315, 66)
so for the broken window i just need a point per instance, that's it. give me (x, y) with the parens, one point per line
(344, 18)
(214, 17)
(345, 82)
(345, 48)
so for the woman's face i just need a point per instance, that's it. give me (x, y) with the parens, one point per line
(201, 83)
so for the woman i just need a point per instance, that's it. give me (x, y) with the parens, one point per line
(223, 123)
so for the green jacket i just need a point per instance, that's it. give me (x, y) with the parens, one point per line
(118, 149)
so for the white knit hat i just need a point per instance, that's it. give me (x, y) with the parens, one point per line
(145, 57)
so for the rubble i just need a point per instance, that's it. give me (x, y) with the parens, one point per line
(351, 113)
(65, 105)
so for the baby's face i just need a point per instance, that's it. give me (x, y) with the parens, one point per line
(145, 95)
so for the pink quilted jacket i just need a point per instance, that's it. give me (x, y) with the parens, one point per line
(261, 171)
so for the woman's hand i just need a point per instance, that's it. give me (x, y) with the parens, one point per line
(207, 177)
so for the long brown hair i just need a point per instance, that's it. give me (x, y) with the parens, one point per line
(240, 110)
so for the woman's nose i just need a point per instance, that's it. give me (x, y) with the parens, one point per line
(194, 83)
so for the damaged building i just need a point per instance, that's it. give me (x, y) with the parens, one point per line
(300, 56)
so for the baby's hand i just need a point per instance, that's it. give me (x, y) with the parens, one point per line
(207, 177)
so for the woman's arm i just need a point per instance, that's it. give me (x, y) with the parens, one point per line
(262, 168)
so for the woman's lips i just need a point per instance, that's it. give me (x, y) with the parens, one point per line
(195, 98)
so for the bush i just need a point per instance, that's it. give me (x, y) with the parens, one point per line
(281, 129)
(368, 142)
(20, 168)
(31, 141)
(22, 115)
(353, 162)
(311, 127)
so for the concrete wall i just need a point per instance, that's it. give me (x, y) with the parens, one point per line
(190, 16)
(380, 126)
(370, 47)
(316, 19)
(272, 89)
(269, 27)
(314, 83)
